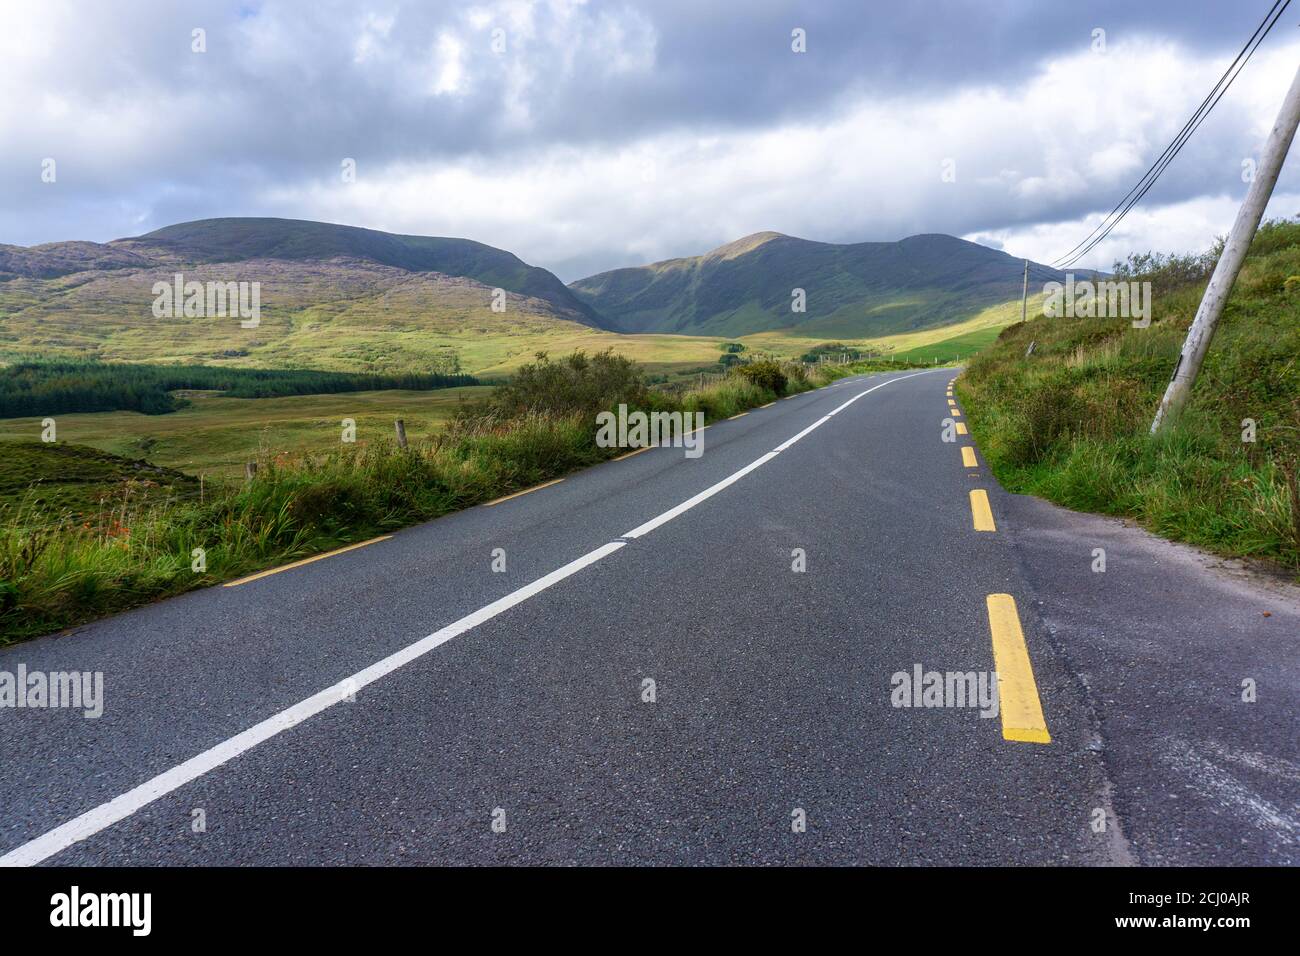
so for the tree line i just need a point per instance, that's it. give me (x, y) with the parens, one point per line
(49, 388)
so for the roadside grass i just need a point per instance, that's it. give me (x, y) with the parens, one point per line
(60, 566)
(1070, 422)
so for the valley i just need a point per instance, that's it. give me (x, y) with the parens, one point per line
(344, 299)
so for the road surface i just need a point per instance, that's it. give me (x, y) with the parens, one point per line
(404, 702)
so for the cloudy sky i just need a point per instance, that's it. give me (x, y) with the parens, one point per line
(585, 136)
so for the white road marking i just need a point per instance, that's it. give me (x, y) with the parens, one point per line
(107, 814)
(114, 811)
(709, 492)
(690, 503)
(786, 444)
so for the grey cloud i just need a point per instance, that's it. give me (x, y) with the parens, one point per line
(286, 90)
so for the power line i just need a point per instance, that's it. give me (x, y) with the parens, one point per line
(1181, 133)
(1174, 148)
(1171, 152)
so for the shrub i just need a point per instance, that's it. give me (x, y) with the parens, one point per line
(766, 375)
(576, 384)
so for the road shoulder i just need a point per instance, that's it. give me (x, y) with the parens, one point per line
(1189, 667)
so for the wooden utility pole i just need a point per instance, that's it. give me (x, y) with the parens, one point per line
(1024, 295)
(1201, 334)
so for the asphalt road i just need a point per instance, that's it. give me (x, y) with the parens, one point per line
(501, 716)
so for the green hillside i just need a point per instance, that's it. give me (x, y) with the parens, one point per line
(38, 480)
(344, 299)
(332, 297)
(1069, 422)
(296, 240)
(852, 291)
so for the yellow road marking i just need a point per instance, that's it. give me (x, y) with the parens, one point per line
(734, 417)
(298, 564)
(768, 405)
(980, 511)
(621, 457)
(961, 428)
(1022, 712)
(544, 484)
(955, 412)
(952, 403)
(968, 457)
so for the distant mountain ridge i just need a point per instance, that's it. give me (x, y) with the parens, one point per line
(210, 241)
(851, 291)
(347, 298)
(332, 297)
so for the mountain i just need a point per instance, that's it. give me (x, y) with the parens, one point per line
(332, 296)
(359, 300)
(208, 241)
(852, 291)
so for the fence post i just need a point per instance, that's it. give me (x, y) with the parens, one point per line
(400, 426)
(250, 470)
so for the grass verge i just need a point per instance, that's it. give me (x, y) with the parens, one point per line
(1069, 422)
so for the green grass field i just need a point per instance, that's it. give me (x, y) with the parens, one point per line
(944, 341)
(216, 435)
(955, 349)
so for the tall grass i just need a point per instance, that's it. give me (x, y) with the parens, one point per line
(1070, 422)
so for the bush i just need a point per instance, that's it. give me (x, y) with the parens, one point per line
(576, 384)
(767, 375)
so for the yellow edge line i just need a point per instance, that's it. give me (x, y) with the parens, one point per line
(734, 417)
(768, 405)
(980, 511)
(1018, 702)
(955, 413)
(968, 457)
(619, 458)
(298, 564)
(544, 484)
(961, 428)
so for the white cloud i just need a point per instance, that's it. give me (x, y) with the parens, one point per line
(609, 133)
(1082, 130)
(448, 69)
